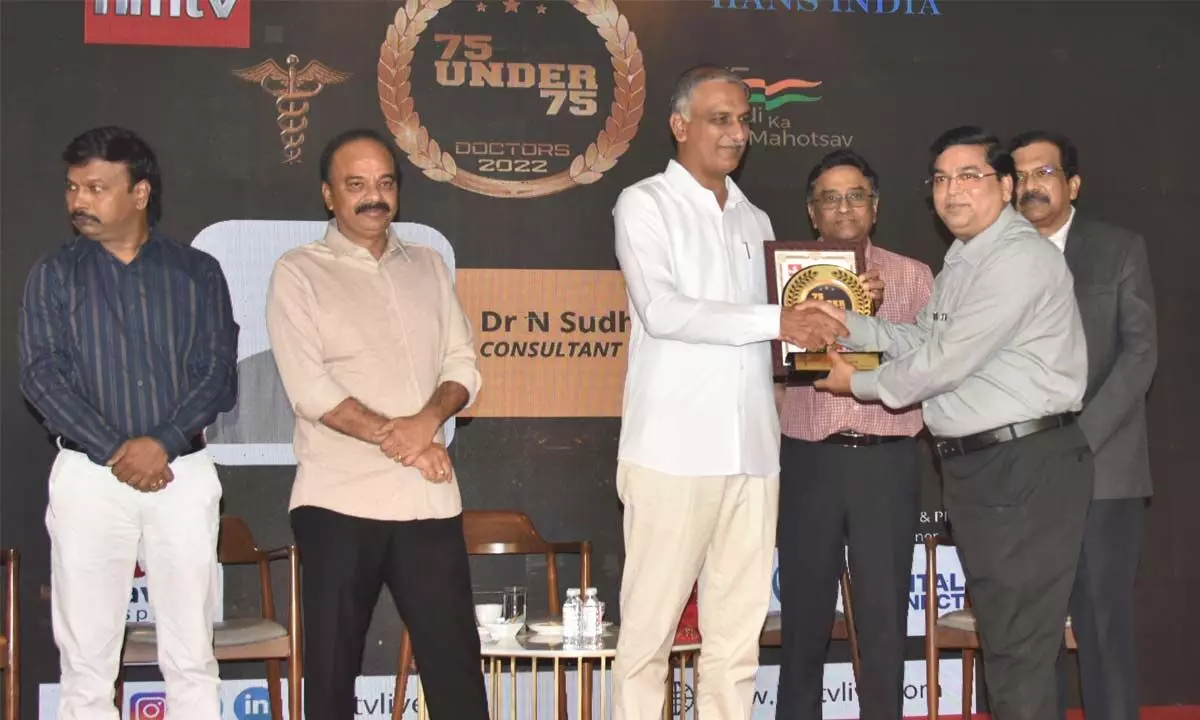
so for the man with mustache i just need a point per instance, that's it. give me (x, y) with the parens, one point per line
(1116, 300)
(998, 361)
(129, 350)
(376, 354)
(698, 461)
(849, 477)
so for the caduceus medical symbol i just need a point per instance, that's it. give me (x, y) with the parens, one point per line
(292, 89)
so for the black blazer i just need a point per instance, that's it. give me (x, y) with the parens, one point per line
(1116, 300)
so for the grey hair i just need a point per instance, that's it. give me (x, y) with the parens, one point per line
(681, 98)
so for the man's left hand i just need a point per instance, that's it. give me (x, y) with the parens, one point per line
(434, 464)
(838, 380)
(873, 284)
(141, 463)
(403, 439)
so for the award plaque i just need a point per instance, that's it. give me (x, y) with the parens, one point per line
(799, 271)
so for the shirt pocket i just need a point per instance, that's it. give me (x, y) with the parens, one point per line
(353, 320)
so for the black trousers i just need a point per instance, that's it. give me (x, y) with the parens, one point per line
(831, 497)
(1017, 512)
(1102, 611)
(346, 561)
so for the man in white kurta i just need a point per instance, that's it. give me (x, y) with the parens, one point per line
(698, 468)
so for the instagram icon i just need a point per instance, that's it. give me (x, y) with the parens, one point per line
(148, 706)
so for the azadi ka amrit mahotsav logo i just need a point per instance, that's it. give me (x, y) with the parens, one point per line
(781, 92)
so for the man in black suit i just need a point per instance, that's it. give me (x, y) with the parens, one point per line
(1116, 300)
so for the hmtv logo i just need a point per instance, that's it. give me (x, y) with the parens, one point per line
(252, 704)
(186, 23)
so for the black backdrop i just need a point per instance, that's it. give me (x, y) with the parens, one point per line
(1117, 76)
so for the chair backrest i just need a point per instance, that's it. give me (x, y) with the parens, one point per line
(235, 543)
(236, 546)
(509, 532)
(931, 577)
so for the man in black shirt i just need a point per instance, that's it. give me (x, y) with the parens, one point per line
(129, 350)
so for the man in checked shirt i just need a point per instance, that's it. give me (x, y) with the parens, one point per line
(129, 350)
(849, 475)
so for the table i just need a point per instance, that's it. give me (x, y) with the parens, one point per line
(549, 649)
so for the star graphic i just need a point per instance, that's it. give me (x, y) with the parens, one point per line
(481, 7)
(510, 6)
(541, 9)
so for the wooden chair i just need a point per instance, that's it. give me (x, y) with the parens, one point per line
(10, 646)
(842, 629)
(508, 532)
(257, 638)
(955, 630)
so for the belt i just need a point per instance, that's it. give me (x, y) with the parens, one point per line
(852, 439)
(954, 447)
(196, 444)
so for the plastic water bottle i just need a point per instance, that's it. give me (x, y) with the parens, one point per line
(590, 621)
(571, 612)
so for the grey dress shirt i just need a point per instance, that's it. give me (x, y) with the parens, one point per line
(1000, 342)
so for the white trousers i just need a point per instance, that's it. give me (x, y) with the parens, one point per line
(97, 525)
(721, 529)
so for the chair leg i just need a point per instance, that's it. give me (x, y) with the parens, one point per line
(295, 688)
(296, 681)
(12, 692)
(968, 677)
(274, 689)
(848, 617)
(933, 690)
(119, 688)
(585, 667)
(402, 671)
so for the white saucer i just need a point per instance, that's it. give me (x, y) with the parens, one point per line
(546, 627)
(554, 627)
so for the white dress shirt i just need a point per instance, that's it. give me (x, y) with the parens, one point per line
(699, 398)
(1059, 238)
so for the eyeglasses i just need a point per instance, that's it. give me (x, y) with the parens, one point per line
(1040, 173)
(856, 199)
(970, 178)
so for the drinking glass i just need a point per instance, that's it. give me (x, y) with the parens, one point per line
(514, 605)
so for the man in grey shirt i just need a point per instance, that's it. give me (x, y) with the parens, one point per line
(998, 361)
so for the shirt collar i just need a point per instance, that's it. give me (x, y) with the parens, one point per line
(84, 246)
(682, 180)
(980, 245)
(1059, 237)
(342, 246)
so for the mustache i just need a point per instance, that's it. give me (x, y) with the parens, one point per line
(81, 216)
(1033, 196)
(369, 206)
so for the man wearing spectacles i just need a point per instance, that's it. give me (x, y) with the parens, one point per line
(849, 475)
(998, 360)
(1116, 300)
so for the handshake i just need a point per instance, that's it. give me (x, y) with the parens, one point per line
(815, 324)
(812, 324)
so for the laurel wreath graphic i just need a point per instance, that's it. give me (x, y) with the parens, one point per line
(803, 282)
(395, 99)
